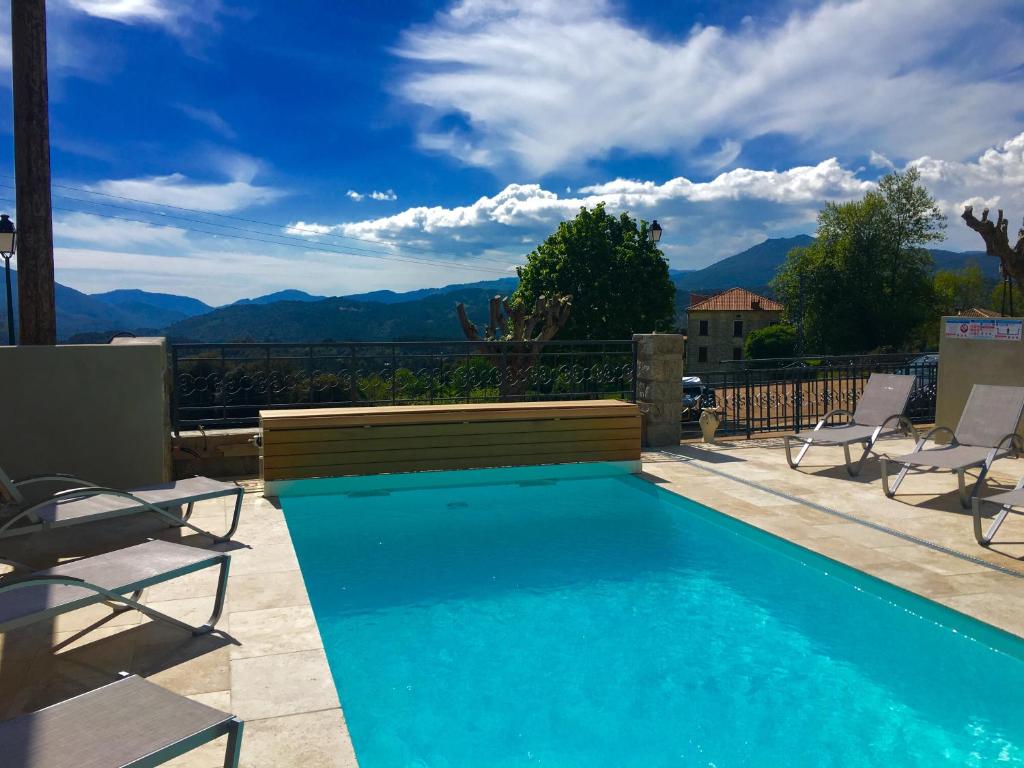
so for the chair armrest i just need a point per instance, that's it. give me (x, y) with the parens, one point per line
(74, 494)
(1015, 441)
(51, 478)
(904, 422)
(830, 414)
(33, 580)
(930, 435)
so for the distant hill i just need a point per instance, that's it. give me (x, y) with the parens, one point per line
(427, 313)
(503, 285)
(153, 310)
(753, 267)
(289, 294)
(337, 319)
(76, 312)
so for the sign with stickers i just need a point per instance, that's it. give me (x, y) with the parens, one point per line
(987, 328)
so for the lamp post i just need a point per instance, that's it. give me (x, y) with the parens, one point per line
(654, 233)
(7, 237)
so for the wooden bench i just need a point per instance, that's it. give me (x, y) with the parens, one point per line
(335, 442)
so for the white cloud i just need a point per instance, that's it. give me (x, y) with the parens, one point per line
(128, 11)
(704, 221)
(176, 16)
(375, 195)
(546, 85)
(179, 190)
(878, 160)
(115, 233)
(209, 118)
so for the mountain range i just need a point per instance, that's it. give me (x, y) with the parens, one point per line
(426, 313)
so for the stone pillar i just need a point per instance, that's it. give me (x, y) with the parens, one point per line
(659, 386)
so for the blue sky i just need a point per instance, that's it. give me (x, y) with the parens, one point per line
(342, 147)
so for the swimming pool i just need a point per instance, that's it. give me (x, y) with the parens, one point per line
(568, 616)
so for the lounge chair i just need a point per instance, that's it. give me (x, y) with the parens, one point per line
(879, 414)
(86, 502)
(130, 722)
(1007, 501)
(115, 577)
(980, 438)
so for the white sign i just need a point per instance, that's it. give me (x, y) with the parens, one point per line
(988, 328)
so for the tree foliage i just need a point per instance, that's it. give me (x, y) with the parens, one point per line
(958, 290)
(617, 278)
(778, 340)
(865, 283)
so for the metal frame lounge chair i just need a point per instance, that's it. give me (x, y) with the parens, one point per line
(1007, 500)
(115, 577)
(979, 439)
(86, 502)
(130, 722)
(879, 414)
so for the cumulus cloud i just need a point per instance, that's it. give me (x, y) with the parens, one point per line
(375, 195)
(544, 85)
(704, 221)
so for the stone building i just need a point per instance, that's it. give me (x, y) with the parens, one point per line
(717, 326)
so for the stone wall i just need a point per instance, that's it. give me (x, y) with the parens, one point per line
(659, 386)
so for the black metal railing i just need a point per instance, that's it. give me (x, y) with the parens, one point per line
(225, 385)
(791, 394)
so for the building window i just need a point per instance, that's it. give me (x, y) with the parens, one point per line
(703, 328)
(702, 354)
(737, 328)
(737, 353)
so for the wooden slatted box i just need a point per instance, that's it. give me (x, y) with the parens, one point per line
(336, 442)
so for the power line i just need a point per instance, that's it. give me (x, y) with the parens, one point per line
(301, 245)
(310, 230)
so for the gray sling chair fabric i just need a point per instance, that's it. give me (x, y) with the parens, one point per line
(879, 414)
(130, 722)
(114, 577)
(1006, 501)
(85, 502)
(980, 438)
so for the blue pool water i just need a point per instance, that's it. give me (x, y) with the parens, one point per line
(496, 618)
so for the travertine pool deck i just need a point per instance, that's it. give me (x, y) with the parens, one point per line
(268, 664)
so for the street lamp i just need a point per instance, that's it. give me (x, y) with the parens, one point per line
(7, 243)
(655, 232)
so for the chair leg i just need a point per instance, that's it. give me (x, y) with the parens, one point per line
(986, 538)
(239, 497)
(234, 747)
(854, 469)
(965, 495)
(794, 463)
(891, 491)
(218, 600)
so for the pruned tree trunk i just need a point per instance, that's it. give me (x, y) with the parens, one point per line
(997, 241)
(512, 337)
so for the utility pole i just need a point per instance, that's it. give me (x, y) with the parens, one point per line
(36, 308)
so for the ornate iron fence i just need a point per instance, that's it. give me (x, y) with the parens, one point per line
(226, 385)
(791, 394)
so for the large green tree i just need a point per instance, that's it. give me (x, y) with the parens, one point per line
(617, 278)
(865, 283)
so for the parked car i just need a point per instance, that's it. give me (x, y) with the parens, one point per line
(696, 395)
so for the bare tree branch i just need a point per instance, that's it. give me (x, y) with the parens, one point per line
(997, 241)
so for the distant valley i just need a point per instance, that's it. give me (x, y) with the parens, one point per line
(426, 313)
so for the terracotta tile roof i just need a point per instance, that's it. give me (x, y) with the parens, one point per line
(977, 312)
(736, 300)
